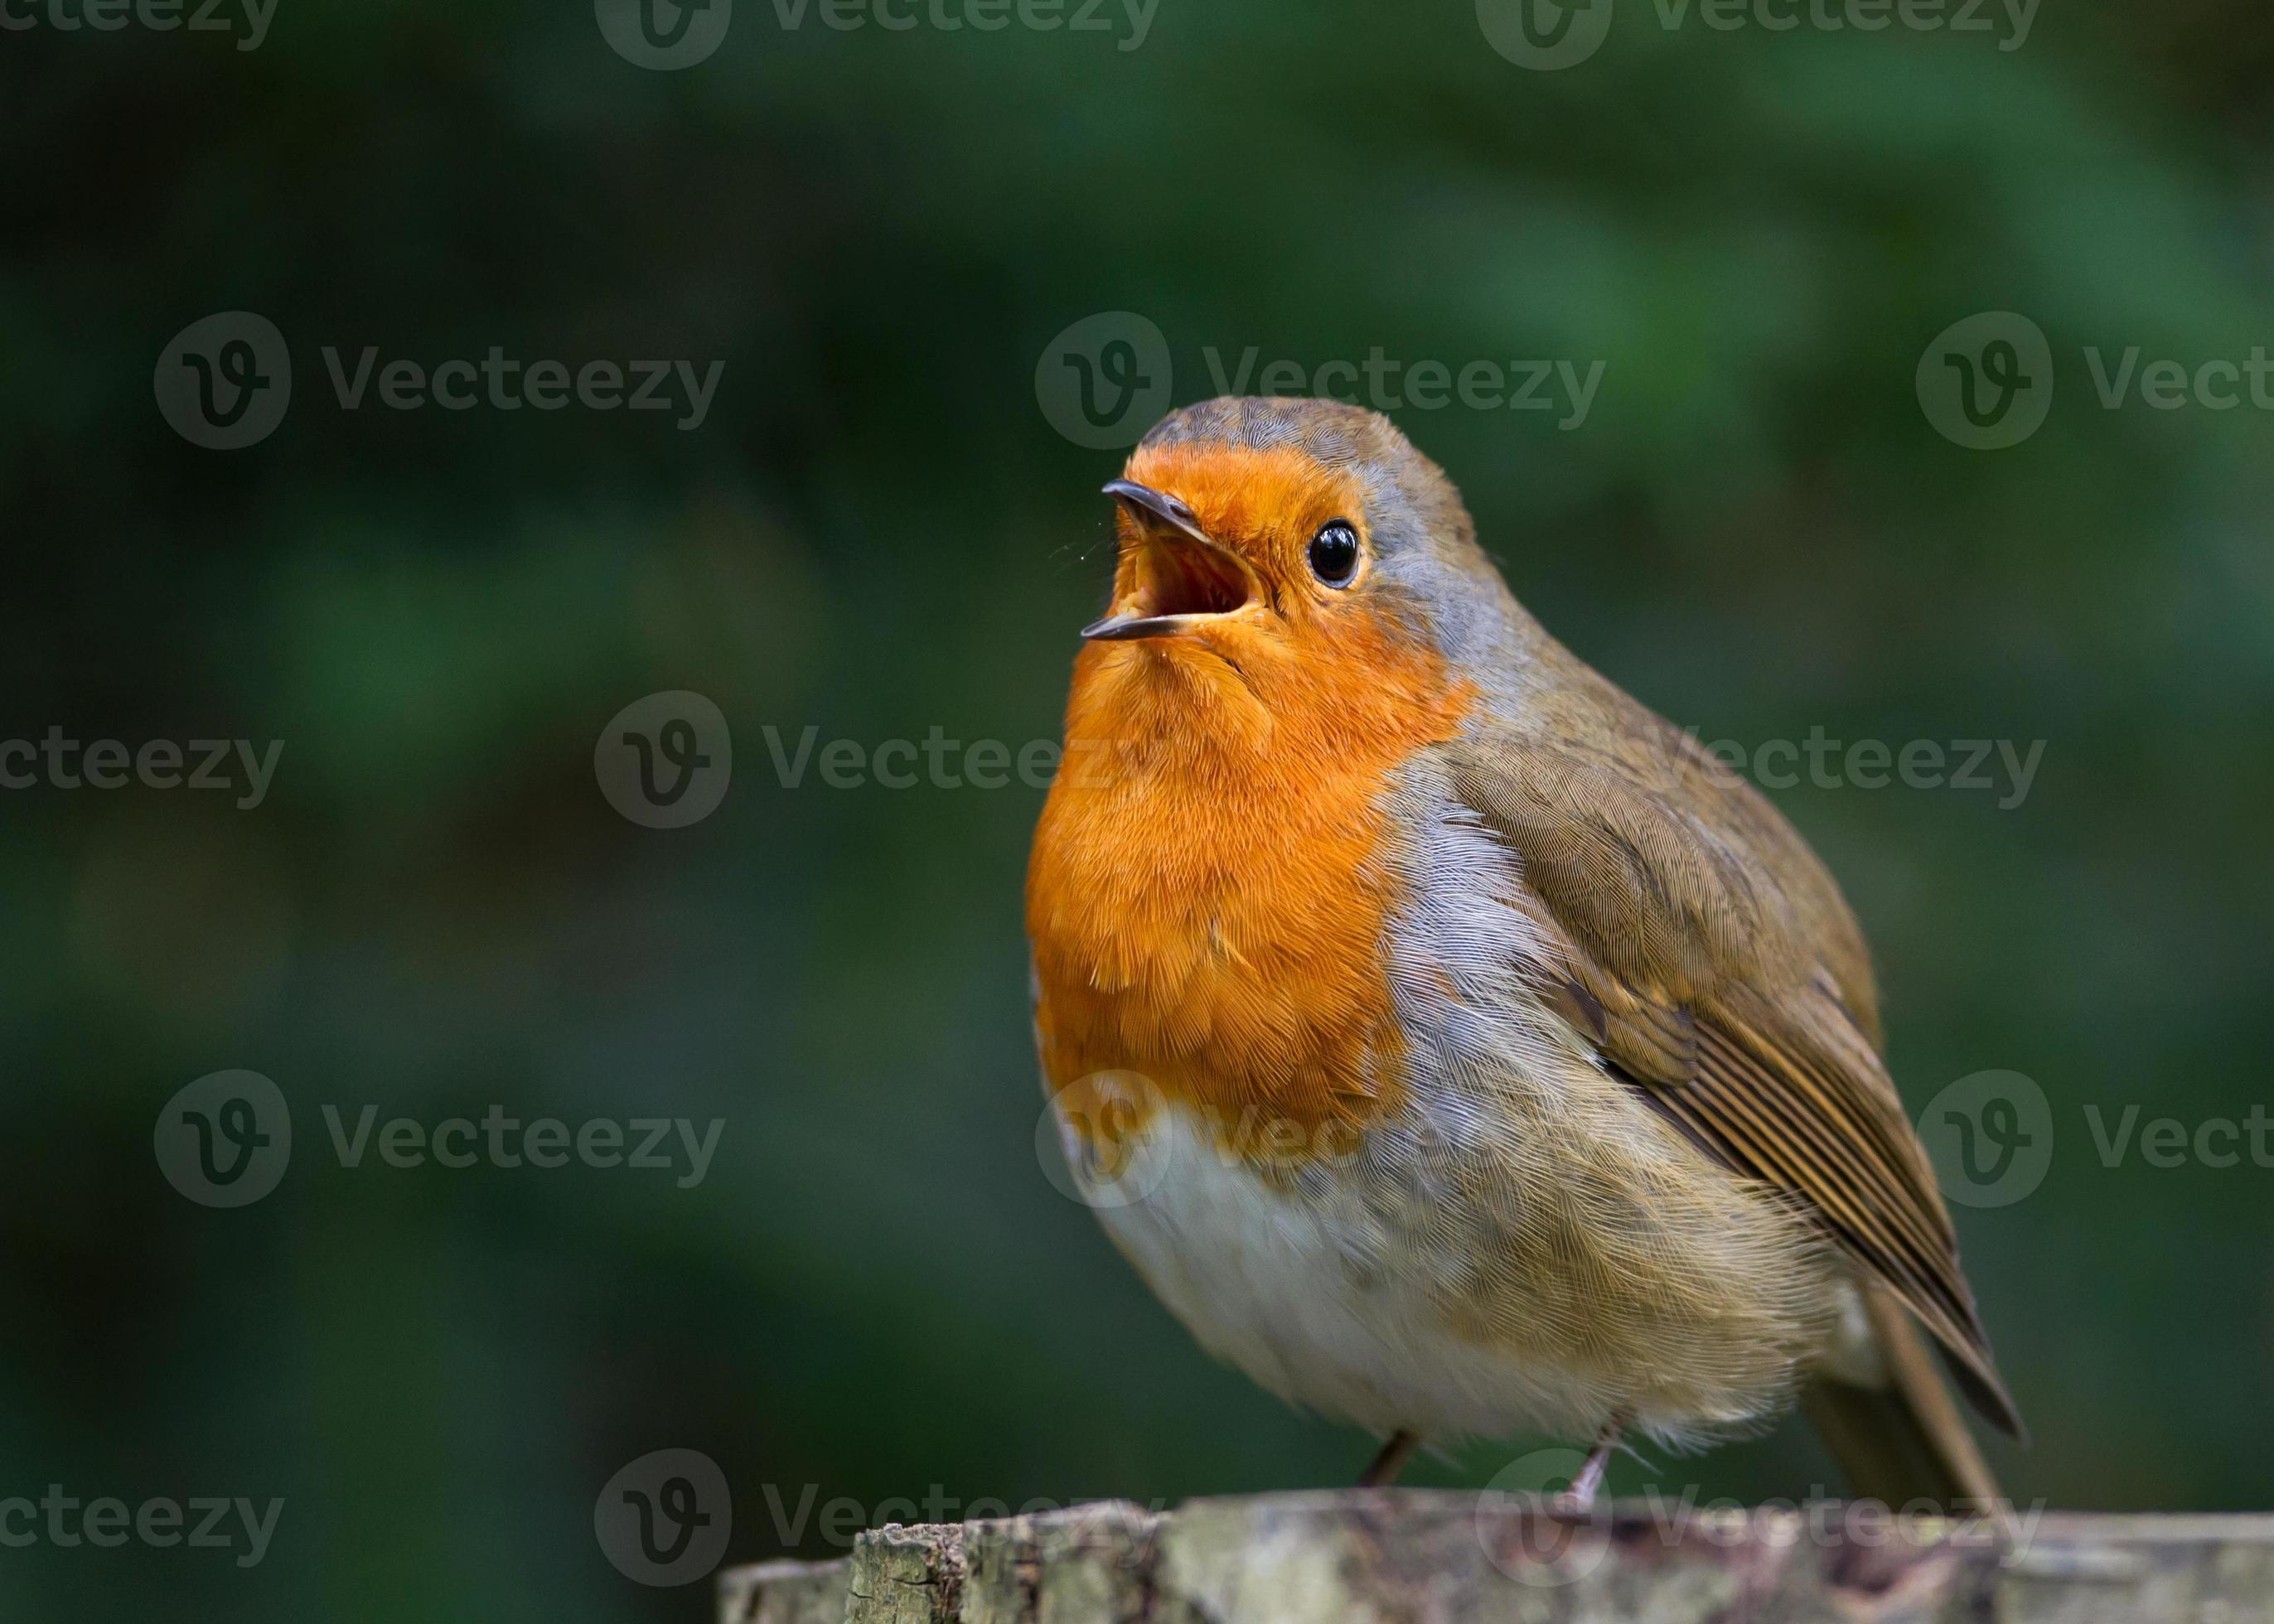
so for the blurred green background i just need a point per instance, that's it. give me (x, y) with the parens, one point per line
(875, 532)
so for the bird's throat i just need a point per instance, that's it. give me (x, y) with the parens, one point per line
(1212, 878)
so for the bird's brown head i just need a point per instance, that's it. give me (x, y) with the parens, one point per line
(1287, 560)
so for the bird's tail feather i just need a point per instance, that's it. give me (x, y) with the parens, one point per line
(1905, 1441)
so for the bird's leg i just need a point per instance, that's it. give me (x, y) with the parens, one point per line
(1390, 1461)
(1581, 1495)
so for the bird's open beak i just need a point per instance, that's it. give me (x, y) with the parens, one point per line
(1178, 575)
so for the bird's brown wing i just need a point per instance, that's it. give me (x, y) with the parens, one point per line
(1698, 940)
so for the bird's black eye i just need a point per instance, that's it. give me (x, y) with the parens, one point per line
(1333, 553)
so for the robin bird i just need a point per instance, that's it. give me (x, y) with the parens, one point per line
(1511, 1065)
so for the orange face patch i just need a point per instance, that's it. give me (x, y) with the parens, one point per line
(1208, 888)
(1265, 505)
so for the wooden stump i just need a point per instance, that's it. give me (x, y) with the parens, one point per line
(1366, 1556)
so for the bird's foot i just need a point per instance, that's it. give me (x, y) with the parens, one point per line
(1580, 1498)
(1390, 1460)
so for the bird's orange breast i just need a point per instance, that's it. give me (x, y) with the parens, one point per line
(1213, 873)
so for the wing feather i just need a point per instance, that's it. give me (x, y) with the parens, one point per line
(1696, 938)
